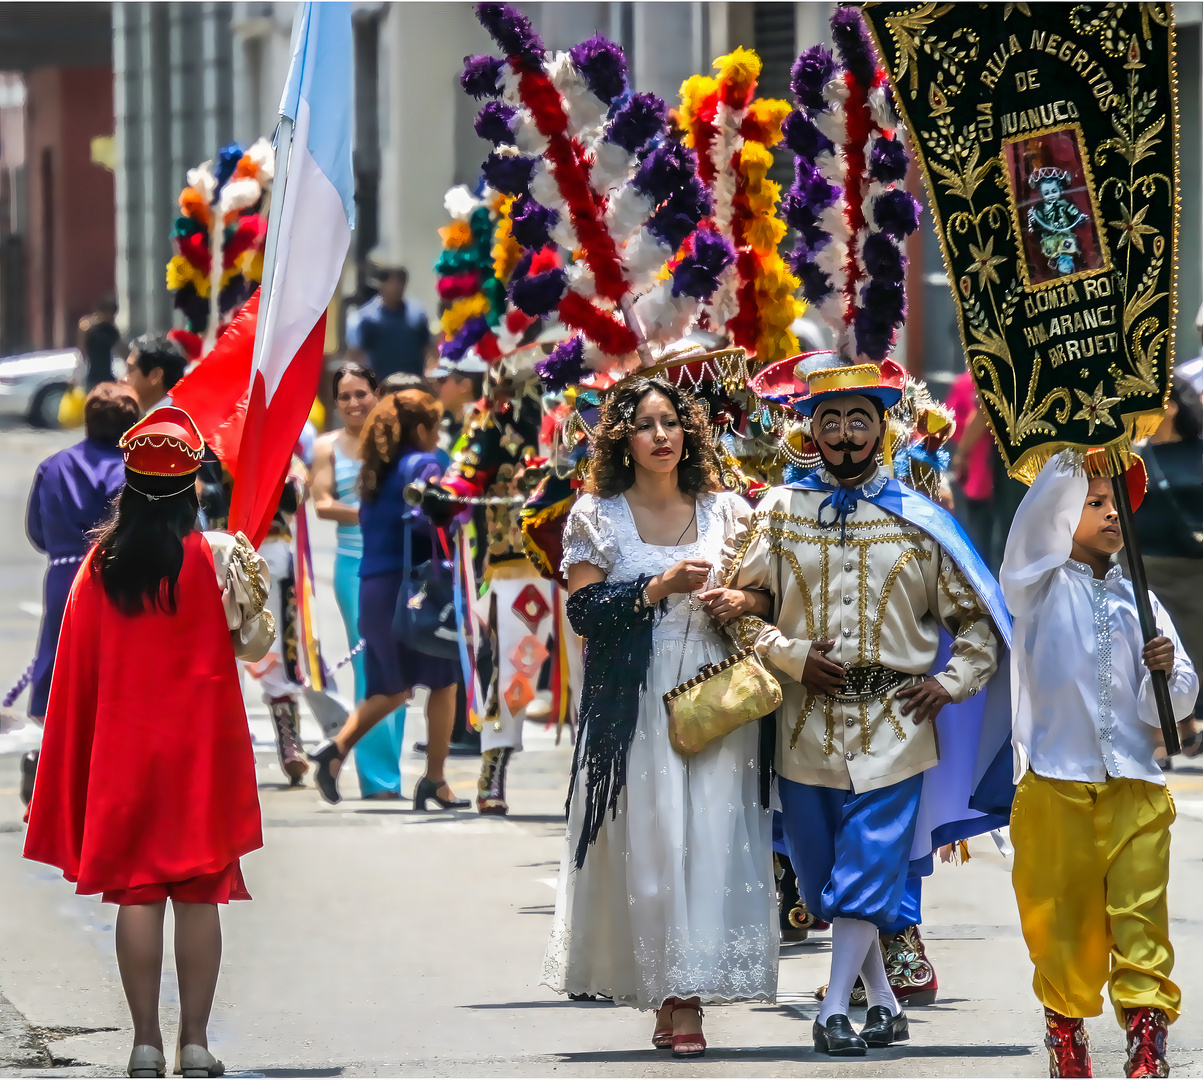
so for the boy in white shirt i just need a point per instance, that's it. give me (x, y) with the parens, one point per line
(1091, 818)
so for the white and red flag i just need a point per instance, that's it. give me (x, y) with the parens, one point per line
(308, 236)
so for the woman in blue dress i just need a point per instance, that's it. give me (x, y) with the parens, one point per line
(336, 498)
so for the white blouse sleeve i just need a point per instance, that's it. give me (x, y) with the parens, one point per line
(589, 536)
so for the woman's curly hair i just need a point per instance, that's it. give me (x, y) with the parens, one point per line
(390, 430)
(611, 472)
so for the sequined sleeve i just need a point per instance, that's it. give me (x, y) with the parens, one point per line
(588, 537)
(975, 643)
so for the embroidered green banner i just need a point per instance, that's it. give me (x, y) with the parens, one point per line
(1047, 137)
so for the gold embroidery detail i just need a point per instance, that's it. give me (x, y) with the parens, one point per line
(969, 614)
(799, 578)
(863, 601)
(824, 586)
(829, 717)
(888, 709)
(864, 727)
(808, 704)
(887, 586)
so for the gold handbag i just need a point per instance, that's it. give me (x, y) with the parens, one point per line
(718, 699)
(244, 579)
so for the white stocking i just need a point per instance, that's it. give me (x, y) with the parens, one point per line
(850, 942)
(878, 990)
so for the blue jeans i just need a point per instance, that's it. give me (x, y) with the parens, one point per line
(378, 753)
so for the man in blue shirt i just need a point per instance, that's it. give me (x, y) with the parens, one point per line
(390, 334)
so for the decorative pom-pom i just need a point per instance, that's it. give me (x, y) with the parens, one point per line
(455, 286)
(564, 367)
(738, 73)
(614, 338)
(852, 41)
(883, 258)
(532, 222)
(227, 161)
(815, 284)
(677, 217)
(544, 259)
(538, 294)
(664, 170)
(637, 121)
(481, 77)
(698, 273)
(887, 160)
(467, 336)
(508, 173)
(896, 212)
(494, 122)
(512, 31)
(602, 65)
(874, 337)
(804, 138)
(811, 72)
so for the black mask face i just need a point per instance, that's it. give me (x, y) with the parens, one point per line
(845, 468)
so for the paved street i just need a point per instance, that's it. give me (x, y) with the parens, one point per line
(384, 942)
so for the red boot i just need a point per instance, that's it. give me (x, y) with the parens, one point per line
(1147, 1033)
(909, 970)
(1068, 1045)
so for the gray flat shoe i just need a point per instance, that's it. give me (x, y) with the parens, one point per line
(146, 1061)
(196, 1061)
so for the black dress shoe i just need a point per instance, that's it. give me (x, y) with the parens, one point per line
(838, 1038)
(327, 783)
(883, 1027)
(29, 771)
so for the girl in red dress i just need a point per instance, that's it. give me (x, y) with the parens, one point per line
(146, 787)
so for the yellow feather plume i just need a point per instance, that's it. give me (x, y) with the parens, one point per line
(181, 272)
(469, 307)
(769, 114)
(694, 91)
(456, 235)
(738, 71)
(506, 250)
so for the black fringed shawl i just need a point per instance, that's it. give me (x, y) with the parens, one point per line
(617, 629)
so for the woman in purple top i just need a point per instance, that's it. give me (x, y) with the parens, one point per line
(71, 494)
(399, 439)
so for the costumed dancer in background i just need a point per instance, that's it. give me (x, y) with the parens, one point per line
(335, 484)
(126, 804)
(1092, 816)
(864, 574)
(71, 495)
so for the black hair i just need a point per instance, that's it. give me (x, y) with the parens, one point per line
(152, 351)
(399, 381)
(1189, 421)
(354, 371)
(140, 547)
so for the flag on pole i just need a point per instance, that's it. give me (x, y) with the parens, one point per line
(308, 235)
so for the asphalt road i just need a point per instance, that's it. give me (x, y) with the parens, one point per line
(384, 942)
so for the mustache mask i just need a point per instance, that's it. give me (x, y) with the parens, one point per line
(846, 468)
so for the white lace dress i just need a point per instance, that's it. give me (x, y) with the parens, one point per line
(677, 897)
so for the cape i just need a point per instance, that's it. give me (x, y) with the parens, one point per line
(147, 772)
(970, 790)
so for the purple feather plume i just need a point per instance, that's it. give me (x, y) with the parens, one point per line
(481, 76)
(883, 257)
(565, 366)
(467, 336)
(887, 161)
(678, 216)
(804, 138)
(538, 295)
(532, 222)
(637, 121)
(508, 173)
(602, 65)
(852, 41)
(811, 72)
(697, 274)
(816, 285)
(494, 121)
(664, 171)
(882, 309)
(896, 212)
(512, 31)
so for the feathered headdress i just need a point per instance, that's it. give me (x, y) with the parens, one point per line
(732, 131)
(591, 169)
(847, 203)
(223, 221)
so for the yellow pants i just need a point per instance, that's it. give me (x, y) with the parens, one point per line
(1091, 866)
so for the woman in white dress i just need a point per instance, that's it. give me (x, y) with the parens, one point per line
(666, 895)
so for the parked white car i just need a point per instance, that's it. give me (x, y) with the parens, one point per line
(32, 385)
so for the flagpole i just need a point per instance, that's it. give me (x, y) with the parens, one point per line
(270, 245)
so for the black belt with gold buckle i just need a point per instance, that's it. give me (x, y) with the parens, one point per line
(871, 681)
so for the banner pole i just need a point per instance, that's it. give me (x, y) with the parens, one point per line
(1144, 608)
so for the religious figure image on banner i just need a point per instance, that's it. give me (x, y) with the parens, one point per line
(1054, 207)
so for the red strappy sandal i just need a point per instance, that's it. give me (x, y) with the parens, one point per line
(689, 1046)
(662, 1037)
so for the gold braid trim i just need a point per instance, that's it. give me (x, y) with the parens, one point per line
(248, 560)
(864, 727)
(887, 586)
(807, 704)
(888, 707)
(782, 552)
(829, 717)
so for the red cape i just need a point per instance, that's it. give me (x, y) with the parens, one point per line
(147, 773)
